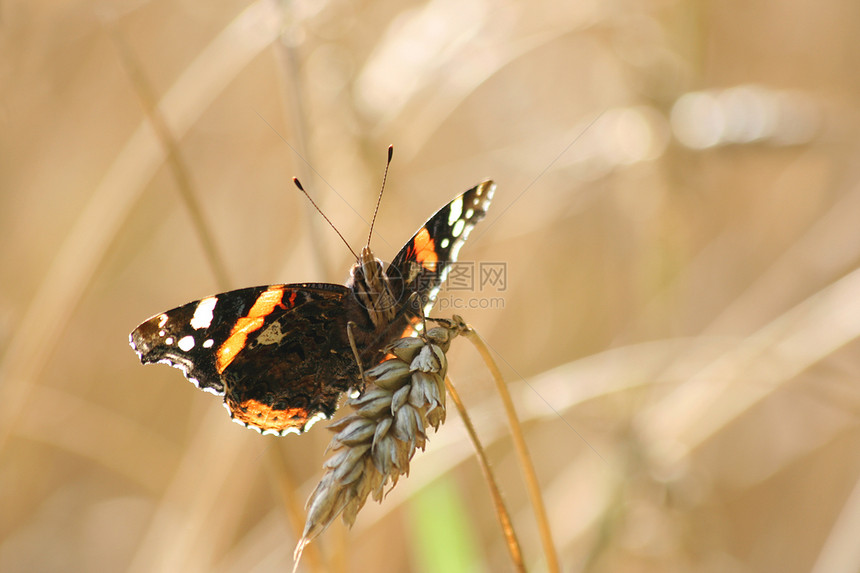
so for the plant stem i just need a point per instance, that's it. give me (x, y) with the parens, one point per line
(501, 510)
(532, 485)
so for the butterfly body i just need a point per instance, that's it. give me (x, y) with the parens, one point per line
(281, 355)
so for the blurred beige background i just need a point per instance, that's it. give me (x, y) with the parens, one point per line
(678, 213)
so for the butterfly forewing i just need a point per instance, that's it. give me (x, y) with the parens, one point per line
(268, 349)
(424, 263)
(188, 337)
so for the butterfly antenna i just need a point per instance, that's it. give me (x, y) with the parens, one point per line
(302, 189)
(379, 199)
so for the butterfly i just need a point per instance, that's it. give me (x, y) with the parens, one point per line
(281, 355)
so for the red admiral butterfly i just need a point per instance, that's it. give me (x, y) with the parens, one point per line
(281, 355)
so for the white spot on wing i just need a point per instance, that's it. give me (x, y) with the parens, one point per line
(313, 420)
(182, 364)
(444, 243)
(208, 343)
(186, 343)
(458, 227)
(203, 313)
(491, 189)
(162, 320)
(470, 213)
(455, 250)
(456, 210)
(133, 347)
(168, 340)
(238, 421)
(431, 300)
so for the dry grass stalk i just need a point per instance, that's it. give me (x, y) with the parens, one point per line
(373, 446)
(501, 510)
(526, 465)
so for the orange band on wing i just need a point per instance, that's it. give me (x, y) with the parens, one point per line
(425, 250)
(263, 307)
(265, 417)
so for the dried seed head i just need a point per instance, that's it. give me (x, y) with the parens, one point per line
(372, 403)
(405, 348)
(425, 390)
(389, 375)
(436, 417)
(426, 361)
(441, 336)
(373, 446)
(358, 431)
(399, 399)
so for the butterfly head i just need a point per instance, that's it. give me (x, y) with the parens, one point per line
(372, 288)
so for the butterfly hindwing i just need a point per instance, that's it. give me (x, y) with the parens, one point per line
(291, 371)
(425, 261)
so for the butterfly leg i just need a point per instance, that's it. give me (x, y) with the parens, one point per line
(349, 326)
(414, 308)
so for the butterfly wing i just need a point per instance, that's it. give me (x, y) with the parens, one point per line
(274, 352)
(424, 263)
(280, 354)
